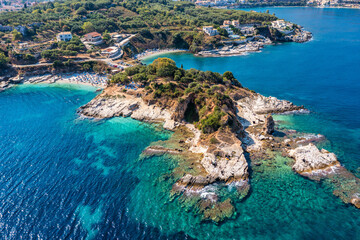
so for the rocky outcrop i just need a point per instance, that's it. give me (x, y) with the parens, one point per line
(253, 109)
(4, 85)
(355, 201)
(127, 105)
(300, 36)
(269, 125)
(225, 160)
(322, 165)
(310, 160)
(155, 150)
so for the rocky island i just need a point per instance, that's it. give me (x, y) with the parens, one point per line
(220, 128)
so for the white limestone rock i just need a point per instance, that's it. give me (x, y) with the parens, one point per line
(309, 158)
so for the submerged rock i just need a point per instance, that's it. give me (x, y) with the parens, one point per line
(217, 212)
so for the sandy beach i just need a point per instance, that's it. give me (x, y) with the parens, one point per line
(154, 52)
(88, 79)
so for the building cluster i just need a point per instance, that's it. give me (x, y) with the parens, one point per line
(212, 3)
(14, 5)
(95, 38)
(228, 25)
(335, 3)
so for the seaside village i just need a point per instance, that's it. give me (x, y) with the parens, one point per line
(108, 48)
(243, 38)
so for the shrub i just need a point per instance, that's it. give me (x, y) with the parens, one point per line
(213, 140)
(211, 122)
(120, 78)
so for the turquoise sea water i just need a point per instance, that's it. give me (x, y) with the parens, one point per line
(62, 177)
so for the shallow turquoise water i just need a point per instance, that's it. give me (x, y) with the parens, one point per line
(62, 177)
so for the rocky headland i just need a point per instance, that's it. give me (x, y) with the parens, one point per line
(219, 129)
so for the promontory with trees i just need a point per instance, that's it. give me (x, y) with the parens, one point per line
(219, 128)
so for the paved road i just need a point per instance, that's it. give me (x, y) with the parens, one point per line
(49, 64)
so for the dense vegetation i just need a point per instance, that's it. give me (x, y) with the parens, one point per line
(206, 91)
(161, 23)
(128, 15)
(3, 59)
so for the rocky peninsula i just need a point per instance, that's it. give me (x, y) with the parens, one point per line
(219, 129)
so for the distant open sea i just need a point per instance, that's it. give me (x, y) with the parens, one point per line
(63, 177)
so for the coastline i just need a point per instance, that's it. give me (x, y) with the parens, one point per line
(155, 52)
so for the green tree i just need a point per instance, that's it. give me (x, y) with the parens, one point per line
(106, 36)
(3, 59)
(211, 122)
(88, 27)
(86, 67)
(223, 32)
(228, 75)
(16, 35)
(165, 67)
(81, 11)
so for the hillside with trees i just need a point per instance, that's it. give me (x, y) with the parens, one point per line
(160, 23)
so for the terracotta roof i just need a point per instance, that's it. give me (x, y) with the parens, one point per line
(93, 34)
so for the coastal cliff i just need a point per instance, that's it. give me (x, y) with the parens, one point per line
(219, 129)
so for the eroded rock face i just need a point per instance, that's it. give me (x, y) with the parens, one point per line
(179, 113)
(309, 159)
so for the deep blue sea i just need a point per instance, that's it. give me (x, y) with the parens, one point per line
(63, 177)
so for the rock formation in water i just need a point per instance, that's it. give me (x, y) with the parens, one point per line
(309, 159)
(322, 165)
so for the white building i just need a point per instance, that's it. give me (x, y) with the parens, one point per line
(111, 52)
(22, 47)
(64, 36)
(281, 24)
(209, 30)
